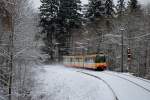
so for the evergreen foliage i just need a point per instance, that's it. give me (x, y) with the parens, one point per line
(109, 8)
(57, 19)
(133, 6)
(69, 17)
(102, 31)
(96, 9)
(48, 21)
(121, 7)
(69, 13)
(109, 12)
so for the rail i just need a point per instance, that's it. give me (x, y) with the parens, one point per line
(114, 94)
(127, 80)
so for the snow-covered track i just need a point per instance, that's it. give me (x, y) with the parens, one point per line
(112, 74)
(148, 81)
(111, 89)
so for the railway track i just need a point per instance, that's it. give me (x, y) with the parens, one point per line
(111, 89)
(137, 78)
(128, 81)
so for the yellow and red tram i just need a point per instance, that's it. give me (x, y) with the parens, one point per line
(91, 61)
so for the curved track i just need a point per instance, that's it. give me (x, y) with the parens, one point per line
(123, 88)
(137, 78)
(114, 94)
(128, 81)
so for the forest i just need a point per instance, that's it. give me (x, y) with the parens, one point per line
(68, 27)
(120, 30)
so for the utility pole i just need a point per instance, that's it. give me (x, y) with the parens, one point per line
(122, 49)
(122, 29)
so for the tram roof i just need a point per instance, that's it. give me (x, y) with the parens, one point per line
(81, 55)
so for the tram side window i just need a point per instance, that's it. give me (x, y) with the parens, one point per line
(66, 60)
(89, 60)
(80, 60)
(70, 59)
(77, 59)
(86, 59)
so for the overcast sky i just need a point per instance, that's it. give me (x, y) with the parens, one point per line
(37, 2)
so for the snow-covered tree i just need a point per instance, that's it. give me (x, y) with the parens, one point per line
(96, 9)
(121, 7)
(58, 18)
(109, 8)
(48, 20)
(133, 5)
(25, 51)
(69, 17)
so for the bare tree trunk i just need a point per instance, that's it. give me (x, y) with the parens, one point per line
(11, 58)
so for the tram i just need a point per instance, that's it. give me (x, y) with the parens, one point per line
(91, 61)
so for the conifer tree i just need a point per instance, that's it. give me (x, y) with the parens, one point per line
(57, 19)
(48, 19)
(133, 6)
(69, 18)
(100, 9)
(120, 7)
(96, 9)
(109, 13)
(109, 8)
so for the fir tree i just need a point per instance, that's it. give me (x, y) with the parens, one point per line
(69, 13)
(121, 7)
(109, 13)
(69, 18)
(58, 18)
(96, 9)
(109, 8)
(48, 19)
(133, 6)
(100, 9)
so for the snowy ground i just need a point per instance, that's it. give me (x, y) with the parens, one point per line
(61, 83)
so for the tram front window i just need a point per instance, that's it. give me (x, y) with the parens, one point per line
(100, 59)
